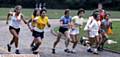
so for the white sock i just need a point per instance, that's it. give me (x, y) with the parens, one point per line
(36, 50)
(53, 48)
(17, 48)
(95, 50)
(73, 49)
(66, 47)
(9, 45)
(89, 47)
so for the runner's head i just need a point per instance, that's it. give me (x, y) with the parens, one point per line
(43, 12)
(107, 16)
(81, 12)
(36, 12)
(96, 15)
(67, 12)
(18, 8)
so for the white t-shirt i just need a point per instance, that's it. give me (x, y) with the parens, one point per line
(88, 22)
(78, 20)
(15, 21)
(94, 26)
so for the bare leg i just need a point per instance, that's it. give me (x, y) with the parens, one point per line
(12, 41)
(16, 38)
(56, 42)
(67, 39)
(32, 44)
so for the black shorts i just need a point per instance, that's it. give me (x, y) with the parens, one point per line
(16, 29)
(63, 30)
(38, 34)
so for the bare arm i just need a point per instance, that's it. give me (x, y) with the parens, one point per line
(7, 18)
(29, 21)
(49, 25)
(61, 23)
(29, 24)
(23, 20)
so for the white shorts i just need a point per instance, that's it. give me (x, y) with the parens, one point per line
(93, 33)
(74, 32)
(38, 30)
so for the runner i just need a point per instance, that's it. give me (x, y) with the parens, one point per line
(64, 23)
(101, 11)
(38, 32)
(86, 28)
(30, 23)
(90, 20)
(105, 25)
(14, 27)
(93, 33)
(75, 30)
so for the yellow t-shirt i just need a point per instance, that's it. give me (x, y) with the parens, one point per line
(33, 24)
(32, 17)
(42, 22)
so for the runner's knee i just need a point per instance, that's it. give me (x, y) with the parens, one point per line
(16, 38)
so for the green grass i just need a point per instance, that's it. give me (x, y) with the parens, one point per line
(115, 36)
(4, 11)
(54, 13)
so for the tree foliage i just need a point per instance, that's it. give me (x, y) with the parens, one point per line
(61, 4)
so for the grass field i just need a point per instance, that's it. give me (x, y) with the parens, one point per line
(54, 13)
(115, 36)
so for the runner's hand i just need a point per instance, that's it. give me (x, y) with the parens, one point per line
(70, 39)
(7, 22)
(31, 30)
(49, 29)
(65, 25)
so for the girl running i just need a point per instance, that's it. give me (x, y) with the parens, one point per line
(36, 13)
(77, 24)
(105, 25)
(14, 26)
(64, 26)
(93, 28)
(38, 31)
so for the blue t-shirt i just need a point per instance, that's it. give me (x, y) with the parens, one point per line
(66, 19)
(105, 22)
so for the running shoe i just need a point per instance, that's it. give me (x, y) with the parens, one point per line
(9, 48)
